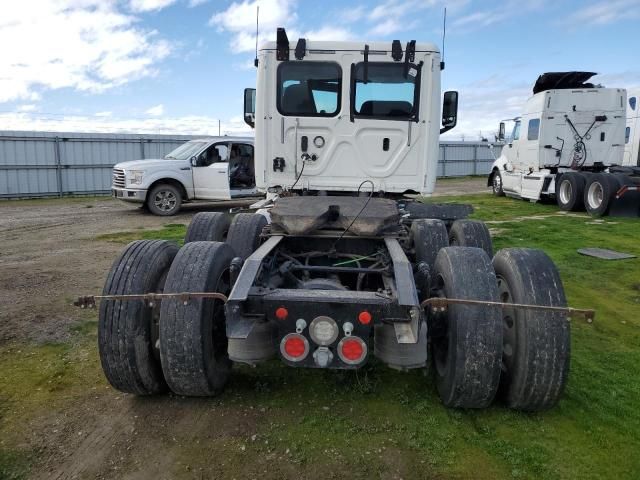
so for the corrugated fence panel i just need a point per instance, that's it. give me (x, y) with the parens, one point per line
(51, 163)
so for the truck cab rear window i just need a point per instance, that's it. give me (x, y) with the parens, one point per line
(309, 89)
(387, 92)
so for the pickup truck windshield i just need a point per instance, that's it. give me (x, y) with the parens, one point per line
(186, 151)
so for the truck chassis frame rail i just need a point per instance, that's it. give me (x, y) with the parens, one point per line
(438, 304)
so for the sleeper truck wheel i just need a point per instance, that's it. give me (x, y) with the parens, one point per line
(244, 233)
(496, 184)
(193, 338)
(208, 226)
(429, 236)
(536, 343)
(599, 192)
(569, 191)
(164, 200)
(128, 330)
(471, 233)
(467, 339)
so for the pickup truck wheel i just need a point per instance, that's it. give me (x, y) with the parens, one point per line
(496, 184)
(208, 226)
(127, 330)
(471, 233)
(467, 339)
(599, 193)
(535, 362)
(164, 200)
(193, 339)
(429, 236)
(569, 191)
(244, 233)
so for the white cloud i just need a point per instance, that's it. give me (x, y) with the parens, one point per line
(149, 5)
(187, 125)
(27, 108)
(87, 45)
(156, 111)
(103, 114)
(240, 20)
(605, 12)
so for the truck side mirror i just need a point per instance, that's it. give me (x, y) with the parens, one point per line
(501, 132)
(449, 111)
(250, 107)
(194, 161)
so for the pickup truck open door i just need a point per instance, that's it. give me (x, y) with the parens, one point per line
(211, 173)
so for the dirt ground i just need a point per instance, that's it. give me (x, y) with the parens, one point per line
(48, 256)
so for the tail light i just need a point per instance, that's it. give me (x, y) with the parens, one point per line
(294, 347)
(352, 350)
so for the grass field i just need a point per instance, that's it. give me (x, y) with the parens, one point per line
(377, 421)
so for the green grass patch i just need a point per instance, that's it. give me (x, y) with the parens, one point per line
(174, 232)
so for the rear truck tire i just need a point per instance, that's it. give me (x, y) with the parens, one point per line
(429, 236)
(467, 339)
(537, 344)
(128, 330)
(570, 191)
(164, 200)
(599, 193)
(496, 184)
(244, 233)
(471, 233)
(208, 227)
(193, 338)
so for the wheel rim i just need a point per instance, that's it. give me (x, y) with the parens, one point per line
(165, 200)
(566, 191)
(508, 325)
(497, 183)
(595, 195)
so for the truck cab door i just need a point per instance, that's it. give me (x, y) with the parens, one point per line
(512, 172)
(211, 173)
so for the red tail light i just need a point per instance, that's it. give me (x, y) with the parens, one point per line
(364, 317)
(352, 350)
(294, 347)
(282, 313)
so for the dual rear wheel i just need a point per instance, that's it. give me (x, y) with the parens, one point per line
(182, 346)
(480, 352)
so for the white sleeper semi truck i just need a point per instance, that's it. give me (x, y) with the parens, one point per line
(341, 266)
(569, 145)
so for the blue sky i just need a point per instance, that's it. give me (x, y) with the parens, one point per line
(179, 66)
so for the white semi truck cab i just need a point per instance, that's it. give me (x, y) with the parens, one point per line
(216, 168)
(569, 144)
(344, 266)
(338, 113)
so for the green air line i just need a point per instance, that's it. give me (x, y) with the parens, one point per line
(354, 260)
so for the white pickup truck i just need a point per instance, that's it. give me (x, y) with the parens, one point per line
(217, 168)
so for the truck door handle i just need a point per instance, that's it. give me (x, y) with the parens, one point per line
(222, 171)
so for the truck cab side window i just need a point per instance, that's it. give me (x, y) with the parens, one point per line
(515, 135)
(632, 102)
(214, 154)
(533, 131)
(309, 89)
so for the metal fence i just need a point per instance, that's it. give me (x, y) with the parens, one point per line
(46, 164)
